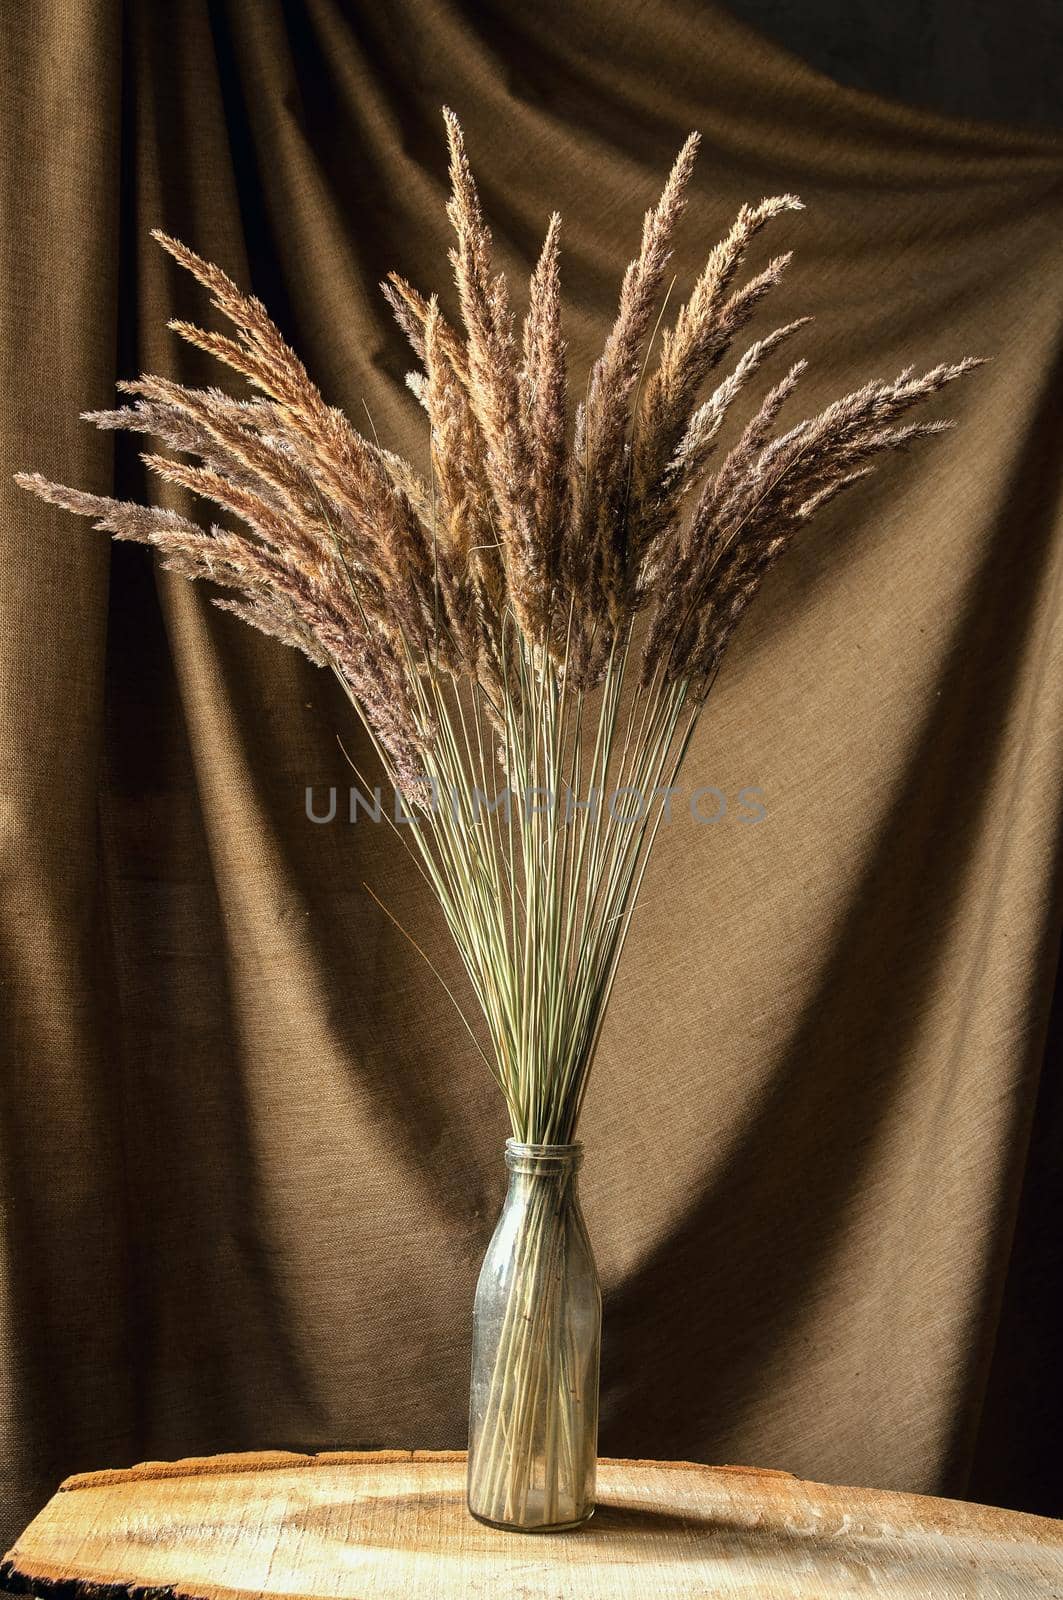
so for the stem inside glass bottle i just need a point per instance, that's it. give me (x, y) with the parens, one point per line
(533, 1414)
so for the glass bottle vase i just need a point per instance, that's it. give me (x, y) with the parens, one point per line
(533, 1412)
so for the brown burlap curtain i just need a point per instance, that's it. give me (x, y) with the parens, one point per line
(249, 1161)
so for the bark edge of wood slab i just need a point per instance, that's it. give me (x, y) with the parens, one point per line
(364, 1525)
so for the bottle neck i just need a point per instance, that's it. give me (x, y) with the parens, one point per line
(547, 1161)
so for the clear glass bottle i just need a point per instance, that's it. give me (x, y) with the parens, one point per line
(533, 1412)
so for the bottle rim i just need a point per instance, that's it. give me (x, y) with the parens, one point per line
(518, 1149)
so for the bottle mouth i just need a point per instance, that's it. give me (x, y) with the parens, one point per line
(542, 1158)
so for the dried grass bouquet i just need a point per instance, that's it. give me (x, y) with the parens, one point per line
(548, 608)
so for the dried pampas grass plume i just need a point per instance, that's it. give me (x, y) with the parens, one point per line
(555, 598)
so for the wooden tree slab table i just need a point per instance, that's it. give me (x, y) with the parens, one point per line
(393, 1523)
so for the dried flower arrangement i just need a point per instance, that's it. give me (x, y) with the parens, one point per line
(549, 603)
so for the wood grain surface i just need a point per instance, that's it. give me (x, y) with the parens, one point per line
(393, 1523)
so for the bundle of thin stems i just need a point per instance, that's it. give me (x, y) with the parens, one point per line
(548, 605)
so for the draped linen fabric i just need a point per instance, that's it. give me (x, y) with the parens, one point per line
(250, 1161)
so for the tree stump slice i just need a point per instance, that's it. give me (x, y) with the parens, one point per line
(393, 1523)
